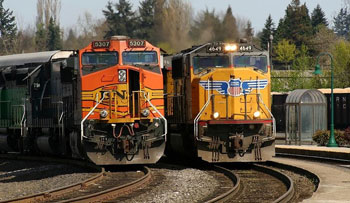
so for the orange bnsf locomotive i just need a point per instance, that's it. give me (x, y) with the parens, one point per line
(218, 103)
(103, 103)
(122, 102)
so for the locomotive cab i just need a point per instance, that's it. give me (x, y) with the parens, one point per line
(219, 94)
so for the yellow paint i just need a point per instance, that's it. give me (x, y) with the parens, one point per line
(114, 100)
(236, 104)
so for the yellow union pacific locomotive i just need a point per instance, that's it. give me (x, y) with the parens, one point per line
(218, 103)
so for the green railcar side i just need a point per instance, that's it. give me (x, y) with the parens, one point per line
(12, 107)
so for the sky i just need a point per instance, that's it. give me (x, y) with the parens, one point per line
(256, 11)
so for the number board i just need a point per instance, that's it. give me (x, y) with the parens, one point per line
(245, 48)
(100, 44)
(136, 43)
(215, 48)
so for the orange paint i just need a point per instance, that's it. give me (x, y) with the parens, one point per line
(118, 101)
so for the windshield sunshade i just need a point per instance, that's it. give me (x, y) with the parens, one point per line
(140, 57)
(201, 63)
(259, 62)
(95, 61)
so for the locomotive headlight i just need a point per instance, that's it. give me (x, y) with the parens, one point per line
(122, 75)
(231, 47)
(103, 113)
(216, 115)
(145, 112)
(257, 114)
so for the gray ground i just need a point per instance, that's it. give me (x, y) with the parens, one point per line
(187, 185)
(20, 178)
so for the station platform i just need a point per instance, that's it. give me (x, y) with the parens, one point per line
(334, 183)
(341, 153)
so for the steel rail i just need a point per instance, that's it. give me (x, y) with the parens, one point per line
(50, 194)
(287, 181)
(313, 177)
(227, 195)
(114, 192)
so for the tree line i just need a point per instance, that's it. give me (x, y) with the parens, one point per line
(171, 24)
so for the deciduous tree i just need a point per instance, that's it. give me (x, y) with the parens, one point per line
(323, 40)
(341, 54)
(206, 27)
(173, 24)
(285, 51)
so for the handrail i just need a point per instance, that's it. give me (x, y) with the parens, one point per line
(90, 112)
(23, 120)
(161, 115)
(200, 113)
(273, 118)
(207, 103)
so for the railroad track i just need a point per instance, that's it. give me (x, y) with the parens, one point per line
(111, 187)
(241, 182)
(225, 192)
(261, 183)
(103, 186)
(169, 179)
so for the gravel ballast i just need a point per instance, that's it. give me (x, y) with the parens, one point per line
(22, 178)
(186, 185)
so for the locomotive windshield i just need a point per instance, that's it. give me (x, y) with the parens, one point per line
(140, 57)
(259, 62)
(201, 63)
(95, 61)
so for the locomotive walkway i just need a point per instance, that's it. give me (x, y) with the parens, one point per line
(334, 177)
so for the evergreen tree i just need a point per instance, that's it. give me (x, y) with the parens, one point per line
(249, 32)
(146, 19)
(121, 21)
(266, 32)
(40, 37)
(72, 40)
(296, 24)
(342, 23)
(54, 41)
(229, 27)
(8, 30)
(280, 32)
(318, 18)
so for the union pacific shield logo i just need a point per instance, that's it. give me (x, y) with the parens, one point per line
(234, 87)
